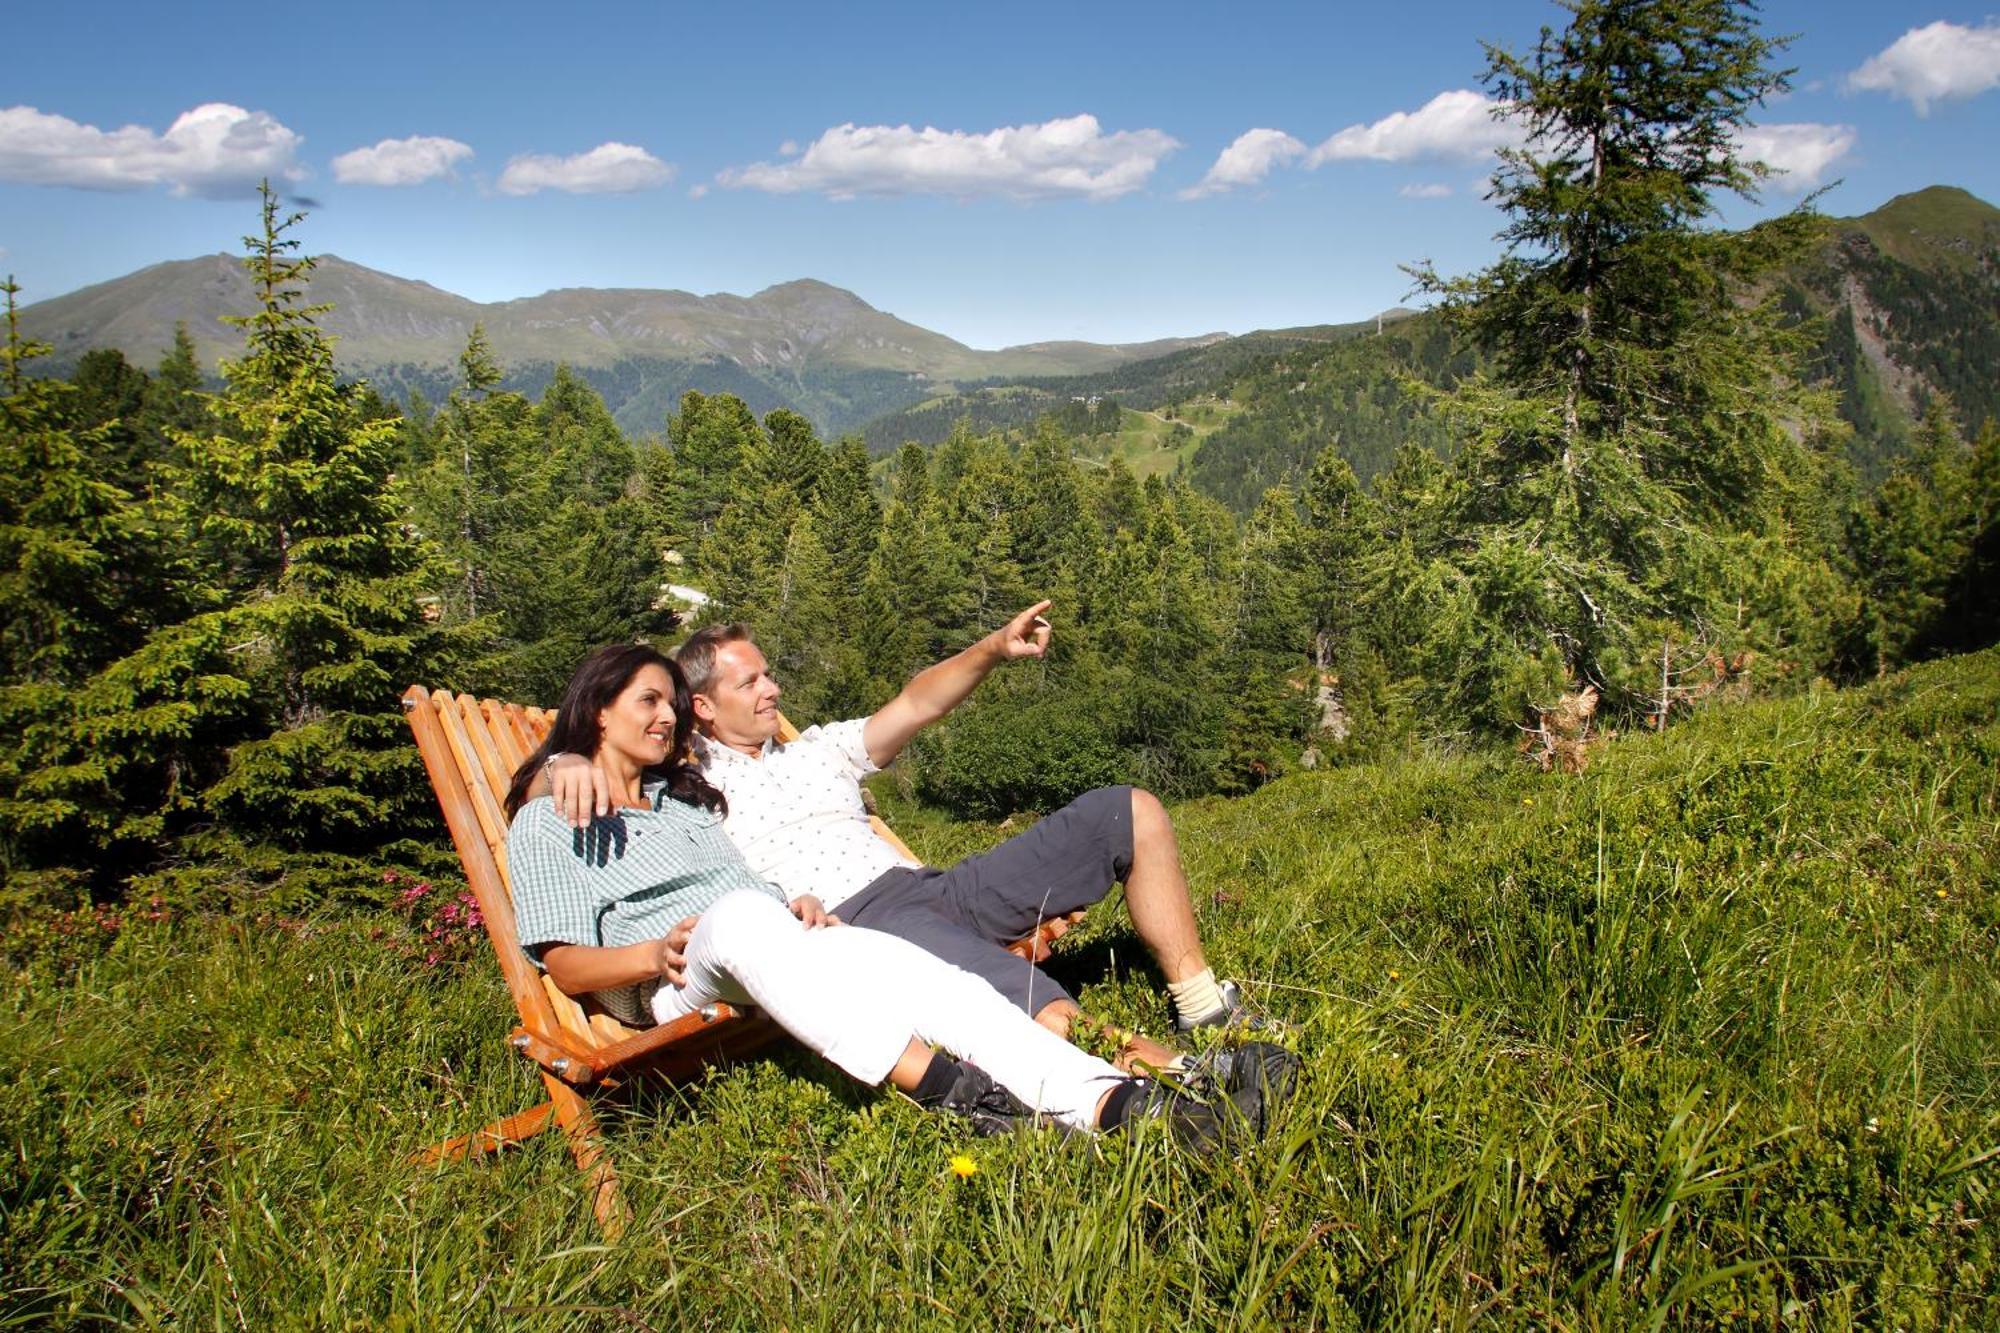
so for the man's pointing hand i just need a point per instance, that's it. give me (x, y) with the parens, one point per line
(1026, 635)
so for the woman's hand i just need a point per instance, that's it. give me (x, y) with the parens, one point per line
(580, 789)
(812, 912)
(670, 952)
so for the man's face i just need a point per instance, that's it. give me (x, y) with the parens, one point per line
(741, 707)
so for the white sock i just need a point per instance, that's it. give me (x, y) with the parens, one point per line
(1196, 998)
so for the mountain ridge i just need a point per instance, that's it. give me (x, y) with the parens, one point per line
(803, 343)
(125, 313)
(1910, 286)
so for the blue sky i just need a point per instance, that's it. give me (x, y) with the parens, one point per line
(1109, 172)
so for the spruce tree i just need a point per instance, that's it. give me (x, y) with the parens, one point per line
(1267, 691)
(72, 566)
(593, 461)
(270, 709)
(486, 490)
(176, 404)
(1642, 407)
(1916, 539)
(847, 515)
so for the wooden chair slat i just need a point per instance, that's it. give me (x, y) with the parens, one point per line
(527, 734)
(498, 773)
(888, 835)
(569, 1015)
(483, 871)
(492, 820)
(607, 1031)
(506, 740)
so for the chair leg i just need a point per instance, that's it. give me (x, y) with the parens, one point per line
(573, 1113)
(503, 1133)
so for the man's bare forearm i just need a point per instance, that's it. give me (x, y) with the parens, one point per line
(936, 690)
(931, 693)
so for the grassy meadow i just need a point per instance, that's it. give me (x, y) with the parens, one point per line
(1147, 441)
(1708, 1036)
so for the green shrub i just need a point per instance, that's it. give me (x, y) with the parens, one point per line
(1018, 753)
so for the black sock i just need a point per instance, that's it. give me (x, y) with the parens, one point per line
(938, 1080)
(1118, 1103)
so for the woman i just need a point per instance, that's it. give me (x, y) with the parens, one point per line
(652, 909)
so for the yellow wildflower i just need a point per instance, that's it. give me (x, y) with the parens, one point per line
(963, 1166)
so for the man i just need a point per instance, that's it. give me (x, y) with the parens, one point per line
(796, 813)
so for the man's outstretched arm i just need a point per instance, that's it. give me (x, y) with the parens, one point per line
(936, 690)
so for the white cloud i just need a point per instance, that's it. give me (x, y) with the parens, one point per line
(609, 168)
(1933, 64)
(1247, 161)
(1800, 153)
(410, 161)
(1432, 190)
(1067, 158)
(1458, 124)
(698, 191)
(217, 151)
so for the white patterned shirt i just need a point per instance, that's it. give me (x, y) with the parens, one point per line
(796, 814)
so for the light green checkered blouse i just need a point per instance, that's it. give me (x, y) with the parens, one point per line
(624, 880)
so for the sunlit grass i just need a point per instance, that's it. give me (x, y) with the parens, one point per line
(1706, 1035)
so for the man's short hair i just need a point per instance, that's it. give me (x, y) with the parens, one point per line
(696, 657)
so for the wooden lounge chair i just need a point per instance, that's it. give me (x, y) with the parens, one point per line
(471, 748)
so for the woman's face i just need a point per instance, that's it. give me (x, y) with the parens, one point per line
(639, 724)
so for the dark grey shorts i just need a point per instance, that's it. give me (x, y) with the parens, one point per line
(968, 914)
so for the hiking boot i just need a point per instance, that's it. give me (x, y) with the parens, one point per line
(1234, 1013)
(1221, 1071)
(988, 1107)
(1202, 1124)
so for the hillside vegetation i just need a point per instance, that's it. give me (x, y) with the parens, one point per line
(1900, 307)
(1704, 1035)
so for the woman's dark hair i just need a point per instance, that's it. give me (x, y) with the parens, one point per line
(598, 681)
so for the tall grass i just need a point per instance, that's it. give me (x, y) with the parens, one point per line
(1704, 1037)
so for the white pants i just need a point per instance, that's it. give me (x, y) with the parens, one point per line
(857, 997)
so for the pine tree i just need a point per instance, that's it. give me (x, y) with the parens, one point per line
(72, 563)
(797, 459)
(1641, 406)
(909, 595)
(271, 708)
(593, 461)
(709, 437)
(847, 515)
(176, 403)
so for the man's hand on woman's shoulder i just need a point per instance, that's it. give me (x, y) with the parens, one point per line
(580, 788)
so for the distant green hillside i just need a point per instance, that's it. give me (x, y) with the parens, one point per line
(1906, 302)
(1149, 384)
(1911, 294)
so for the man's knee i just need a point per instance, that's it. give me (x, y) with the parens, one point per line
(1150, 823)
